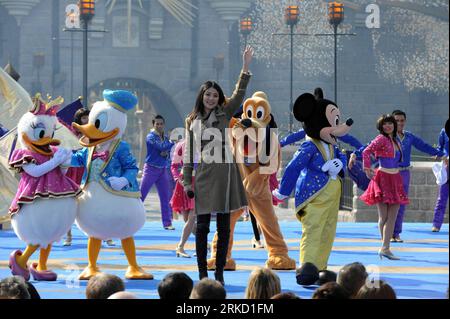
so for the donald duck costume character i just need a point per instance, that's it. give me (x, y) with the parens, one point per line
(110, 206)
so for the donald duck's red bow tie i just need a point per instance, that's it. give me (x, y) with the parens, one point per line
(101, 155)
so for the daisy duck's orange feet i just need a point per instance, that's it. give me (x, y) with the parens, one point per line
(88, 273)
(137, 273)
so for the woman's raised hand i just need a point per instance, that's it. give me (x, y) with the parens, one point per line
(247, 58)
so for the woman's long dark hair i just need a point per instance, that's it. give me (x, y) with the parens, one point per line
(199, 107)
(389, 118)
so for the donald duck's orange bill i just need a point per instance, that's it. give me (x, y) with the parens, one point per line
(92, 136)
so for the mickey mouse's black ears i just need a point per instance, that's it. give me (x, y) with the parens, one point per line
(304, 107)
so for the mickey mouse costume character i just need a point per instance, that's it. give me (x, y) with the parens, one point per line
(318, 165)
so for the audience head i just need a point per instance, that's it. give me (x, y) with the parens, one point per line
(352, 277)
(377, 290)
(123, 295)
(286, 295)
(103, 285)
(175, 285)
(330, 290)
(208, 289)
(14, 287)
(262, 284)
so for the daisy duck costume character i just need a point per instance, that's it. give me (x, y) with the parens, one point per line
(315, 172)
(110, 206)
(44, 207)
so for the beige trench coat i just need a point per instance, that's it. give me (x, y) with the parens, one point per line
(218, 186)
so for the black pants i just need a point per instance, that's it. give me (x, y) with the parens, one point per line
(255, 226)
(201, 241)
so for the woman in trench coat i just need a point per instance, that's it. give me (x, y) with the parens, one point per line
(218, 185)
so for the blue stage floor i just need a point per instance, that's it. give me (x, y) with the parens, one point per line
(422, 272)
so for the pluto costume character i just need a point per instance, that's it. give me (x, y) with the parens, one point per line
(257, 151)
(110, 206)
(316, 170)
(44, 207)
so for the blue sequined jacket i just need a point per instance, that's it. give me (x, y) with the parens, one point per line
(121, 163)
(305, 173)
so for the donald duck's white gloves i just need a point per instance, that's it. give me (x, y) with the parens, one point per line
(117, 183)
(333, 167)
(39, 170)
(277, 195)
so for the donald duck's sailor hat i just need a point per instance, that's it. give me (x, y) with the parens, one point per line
(120, 99)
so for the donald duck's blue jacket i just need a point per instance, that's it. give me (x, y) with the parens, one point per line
(307, 163)
(120, 163)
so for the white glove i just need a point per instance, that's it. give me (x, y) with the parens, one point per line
(333, 167)
(61, 155)
(64, 155)
(277, 195)
(40, 170)
(117, 183)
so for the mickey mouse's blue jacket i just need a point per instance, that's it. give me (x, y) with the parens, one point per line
(305, 173)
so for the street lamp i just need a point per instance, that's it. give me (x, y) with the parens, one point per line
(72, 22)
(87, 12)
(291, 16)
(246, 26)
(335, 17)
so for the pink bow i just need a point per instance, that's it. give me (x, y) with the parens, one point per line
(102, 155)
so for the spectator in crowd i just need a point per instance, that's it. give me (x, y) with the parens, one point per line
(262, 284)
(123, 295)
(103, 285)
(14, 287)
(286, 295)
(176, 285)
(378, 289)
(330, 290)
(208, 289)
(352, 277)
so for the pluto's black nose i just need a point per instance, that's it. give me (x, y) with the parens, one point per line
(246, 123)
(349, 122)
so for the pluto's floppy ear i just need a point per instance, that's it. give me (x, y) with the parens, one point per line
(304, 107)
(272, 123)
